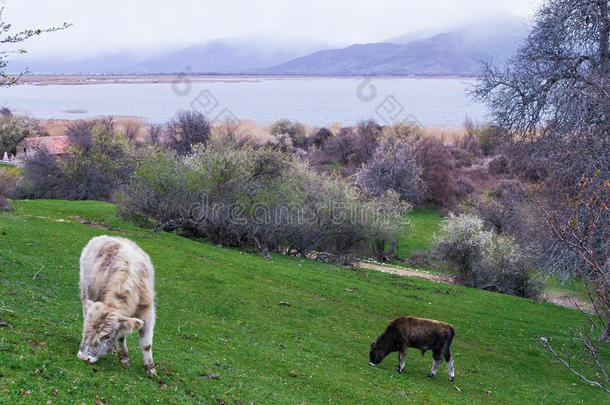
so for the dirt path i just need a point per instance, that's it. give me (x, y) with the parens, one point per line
(400, 271)
(565, 300)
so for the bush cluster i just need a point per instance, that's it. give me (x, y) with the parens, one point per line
(245, 195)
(98, 161)
(9, 178)
(484, 259)
(293, 131)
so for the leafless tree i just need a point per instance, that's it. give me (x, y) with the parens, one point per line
(552, 99)
(186, 129)
(580, 234)
(340, 147)
(553, 96)
(155, 134)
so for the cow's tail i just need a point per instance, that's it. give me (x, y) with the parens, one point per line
(447, 349)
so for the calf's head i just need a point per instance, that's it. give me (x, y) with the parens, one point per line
(102, 326)
(377, 354)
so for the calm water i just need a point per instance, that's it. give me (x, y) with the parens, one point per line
(314, 101)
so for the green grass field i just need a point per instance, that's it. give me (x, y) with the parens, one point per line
(424, 225)
(222, 334)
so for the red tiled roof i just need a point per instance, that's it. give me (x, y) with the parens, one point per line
(56, 145)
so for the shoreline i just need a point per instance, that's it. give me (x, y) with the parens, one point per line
(92, 79)
(260, 131)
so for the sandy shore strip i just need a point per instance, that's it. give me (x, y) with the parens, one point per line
(81, 79)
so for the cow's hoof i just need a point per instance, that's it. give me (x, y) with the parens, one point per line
(430, 375)
(450, 378)
(399, 370)
(151, 371)
(124, 362)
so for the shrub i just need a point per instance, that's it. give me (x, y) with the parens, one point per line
(319, 137)
(463, 187)
(352, 146)
(340, 147)
(491, 138)
(131, 129)
(240, 194)
(97, 163)
(14, 129)
(437, 171)
(482, 259)
(293, 130)
(507, 269)
(394, 166)
(367, 135)
(80, 132)
(8, 185)
(462, 243)
(158, 190)
(462, 157)
(155, 134)
(420, 258)
(187, 129)
(498, 165)
(393, 210)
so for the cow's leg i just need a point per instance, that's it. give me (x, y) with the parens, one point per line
(146, 336)
(437, 356)
(402, 355)
(123, 354)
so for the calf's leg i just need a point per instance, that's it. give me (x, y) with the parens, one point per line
(451, 371)
(402, 355)
(146, 336)
(437, 356)
(449, 360)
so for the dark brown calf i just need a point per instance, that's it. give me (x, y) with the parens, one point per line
(422, 334)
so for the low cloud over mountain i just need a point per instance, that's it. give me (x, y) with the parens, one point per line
(456, 52)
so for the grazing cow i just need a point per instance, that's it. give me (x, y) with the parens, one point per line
(422, 334)
(117, 292)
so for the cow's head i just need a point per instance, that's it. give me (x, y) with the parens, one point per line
(376, 354)
(102, 326)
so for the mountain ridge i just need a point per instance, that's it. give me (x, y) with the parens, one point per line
(456, 52)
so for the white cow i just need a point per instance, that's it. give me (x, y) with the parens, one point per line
(117, 292)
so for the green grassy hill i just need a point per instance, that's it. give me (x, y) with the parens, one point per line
(424, 224)
(222, 334)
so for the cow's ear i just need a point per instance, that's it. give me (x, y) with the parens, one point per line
(130, 324)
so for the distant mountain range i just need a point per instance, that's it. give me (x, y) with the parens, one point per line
(231, 55)
(456, 52)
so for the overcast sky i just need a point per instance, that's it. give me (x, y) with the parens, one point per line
(141, 25)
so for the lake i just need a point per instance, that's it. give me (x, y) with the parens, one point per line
(313, 101)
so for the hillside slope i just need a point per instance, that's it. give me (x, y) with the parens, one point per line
(222, 334)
